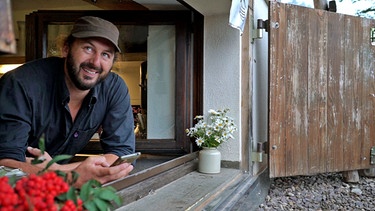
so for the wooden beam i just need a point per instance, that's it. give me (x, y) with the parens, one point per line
(11, 59)
(116, 4)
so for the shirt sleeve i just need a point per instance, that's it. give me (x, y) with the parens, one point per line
(14, 118)
(118, 125)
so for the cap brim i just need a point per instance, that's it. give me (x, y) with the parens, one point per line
(86, 34)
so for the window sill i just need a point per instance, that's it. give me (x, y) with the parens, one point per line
(183, 188)
(140, 184)
(190, 192)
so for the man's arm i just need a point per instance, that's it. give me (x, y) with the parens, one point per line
(23, 166)
(109, 158)
(29, 168)
(95, 167)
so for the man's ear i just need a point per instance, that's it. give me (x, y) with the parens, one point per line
(65, 50)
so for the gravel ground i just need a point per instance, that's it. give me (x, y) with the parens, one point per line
(320, 192)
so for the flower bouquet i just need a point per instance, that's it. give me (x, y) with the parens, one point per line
(209, 135)
(50, 190)
(218, 129)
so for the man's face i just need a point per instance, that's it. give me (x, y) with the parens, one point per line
(89, 62)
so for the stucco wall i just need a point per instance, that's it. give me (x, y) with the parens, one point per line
(222, 75)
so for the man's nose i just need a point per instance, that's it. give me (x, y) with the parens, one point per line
(95, 59)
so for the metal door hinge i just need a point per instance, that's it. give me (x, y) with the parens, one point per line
(258, 32)
(372, 36)
(257, 157)
(372, 155)
(261, 150)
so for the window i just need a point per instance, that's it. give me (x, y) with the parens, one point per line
(160, 63)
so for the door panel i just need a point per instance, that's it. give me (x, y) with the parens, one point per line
(321, 91)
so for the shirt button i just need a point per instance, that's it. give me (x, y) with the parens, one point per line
(75, 134)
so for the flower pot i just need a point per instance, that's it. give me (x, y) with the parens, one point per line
(209, 160)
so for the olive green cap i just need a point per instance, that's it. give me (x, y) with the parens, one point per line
(90, 26)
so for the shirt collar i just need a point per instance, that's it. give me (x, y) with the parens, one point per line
(93, 95)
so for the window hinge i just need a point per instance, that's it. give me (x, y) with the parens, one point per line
(372, 155)
(258, 31)
(258, 155)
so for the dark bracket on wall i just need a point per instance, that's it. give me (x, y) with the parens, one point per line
(261, 150)
(261, 25)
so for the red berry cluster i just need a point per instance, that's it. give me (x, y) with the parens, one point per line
(8, 198)
(35, 193)
(69, 205)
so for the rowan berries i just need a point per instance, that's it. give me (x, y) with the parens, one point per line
(8, 198)
(35, 192)
(50, 192)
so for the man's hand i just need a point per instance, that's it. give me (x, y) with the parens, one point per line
(97, 167)
(45, 157)
(94, 167)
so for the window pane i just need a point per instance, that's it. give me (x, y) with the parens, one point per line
(161, 82)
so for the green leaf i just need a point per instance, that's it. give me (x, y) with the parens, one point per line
(57, 159)
(61, 157)
(92, 192)
(117, 200)
(101, 204)
(62, 174)
(62, 197)
(107, 195)
(71, 194)
(13, 179)
(111, 188)
(2, 172)
(75, 176)
(95, 183)
(41, 144)
(85, 191)
(90, 205)
(36, 161)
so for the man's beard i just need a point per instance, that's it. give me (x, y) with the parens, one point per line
(73, 73)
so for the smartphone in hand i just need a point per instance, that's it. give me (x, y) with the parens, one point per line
(127, 159)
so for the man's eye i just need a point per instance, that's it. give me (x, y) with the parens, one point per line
(89, 49)
(106, 55)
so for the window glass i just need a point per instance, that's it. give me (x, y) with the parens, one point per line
(160, 82)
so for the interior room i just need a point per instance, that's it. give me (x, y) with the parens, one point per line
(144, 46)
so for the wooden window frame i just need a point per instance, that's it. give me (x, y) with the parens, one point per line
(189, 64)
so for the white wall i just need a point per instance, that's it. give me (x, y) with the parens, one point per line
(222, 75)
(222, 70)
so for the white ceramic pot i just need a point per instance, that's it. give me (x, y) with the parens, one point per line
(209, 160)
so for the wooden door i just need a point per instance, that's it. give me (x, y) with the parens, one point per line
(7, 37)
(322, 91)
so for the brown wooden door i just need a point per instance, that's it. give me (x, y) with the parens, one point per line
(322, 88)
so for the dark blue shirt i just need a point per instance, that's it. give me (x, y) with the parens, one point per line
(34, 101)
